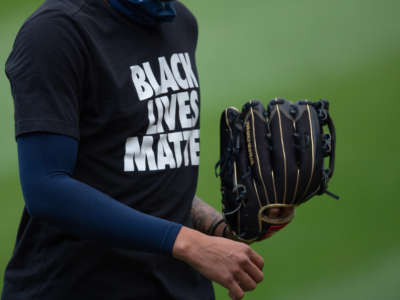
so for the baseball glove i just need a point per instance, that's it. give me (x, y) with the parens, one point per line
(273, 158)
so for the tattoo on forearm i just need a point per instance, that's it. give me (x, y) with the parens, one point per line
(204, 216)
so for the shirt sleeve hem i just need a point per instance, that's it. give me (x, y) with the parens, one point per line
(48, 126)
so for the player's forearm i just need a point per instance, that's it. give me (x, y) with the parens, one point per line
(51, 194)
(207, 219)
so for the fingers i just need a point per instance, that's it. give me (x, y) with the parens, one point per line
(256, 259)
(235, 291)
(249, 273)
(233, 297)
(245, 281)
(234, 265)
(254, 272)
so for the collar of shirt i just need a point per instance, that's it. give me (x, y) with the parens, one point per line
(146, 11)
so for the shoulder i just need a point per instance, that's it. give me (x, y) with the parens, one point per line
(184, 12)
(52, 17)
(58, 7)
(50, 31)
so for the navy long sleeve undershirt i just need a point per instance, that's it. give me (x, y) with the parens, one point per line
(46, 163)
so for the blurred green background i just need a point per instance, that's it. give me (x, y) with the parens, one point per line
(347, 51)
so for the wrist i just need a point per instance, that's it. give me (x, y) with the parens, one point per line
(220, 229)
(216, 227)
(184, 243)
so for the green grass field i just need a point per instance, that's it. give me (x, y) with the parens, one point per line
(346, 51)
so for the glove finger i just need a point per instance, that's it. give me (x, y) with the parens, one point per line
(258, 150)
(238, 185)
(285, 168)
(256, 158)
(227, 165)
(309, 156)
(250, 198)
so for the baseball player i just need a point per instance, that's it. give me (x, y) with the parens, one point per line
(107, 107)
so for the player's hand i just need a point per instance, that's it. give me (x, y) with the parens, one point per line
(232, 264)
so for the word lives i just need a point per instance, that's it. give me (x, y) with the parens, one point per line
(173, 109)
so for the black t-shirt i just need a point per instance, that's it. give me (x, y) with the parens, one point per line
(130, 94)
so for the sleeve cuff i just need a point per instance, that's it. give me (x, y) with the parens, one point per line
(49, 126)
(169, 238)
